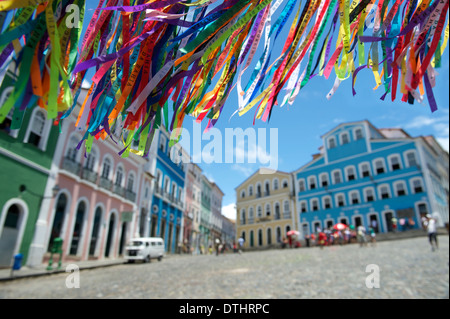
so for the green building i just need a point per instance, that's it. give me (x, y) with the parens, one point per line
(25, 167)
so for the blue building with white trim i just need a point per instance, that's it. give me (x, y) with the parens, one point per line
(167, 205)
(368, 176)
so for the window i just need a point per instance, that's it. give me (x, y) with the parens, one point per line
(301, 185)
(417, 186)
(119, 176)
(250, 214)
(354, 197)
(275, 184)
(267, 187)
(337, 177)
(400, 189)
(345, 138)
(365, 170)
(384, 192)
(303, 207)
(38, 130)
(258, 191)
(327, 202)
(106, 168)
(250, 190)
(162, 143)
(411, 159)
(340, 199)
(259, 211)
(331, 142)
(312, 182)
(267, 209)
(324, 180)
(358, 134)
(285, 184)
(90, 161)
(351, 174)
(243, 217)
(315, 204)
(72, 150)
(379, 166)
(130, 183)
(6, 125)
(395, 162)
(369, 194)
(243, 194)
(286, 206)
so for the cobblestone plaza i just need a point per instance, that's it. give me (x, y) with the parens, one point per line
(408, 269)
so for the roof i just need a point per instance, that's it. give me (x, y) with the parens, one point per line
(259, 171)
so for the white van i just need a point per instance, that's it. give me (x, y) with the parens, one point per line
(144, 249)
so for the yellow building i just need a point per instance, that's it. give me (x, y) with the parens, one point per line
(265, 208)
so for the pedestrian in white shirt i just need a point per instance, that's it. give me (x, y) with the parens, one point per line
(432, 232)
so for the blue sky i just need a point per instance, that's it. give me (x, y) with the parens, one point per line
(301, 125)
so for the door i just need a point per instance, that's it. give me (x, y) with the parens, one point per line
(388, 219)
(58, 219)
(109, 238)
(95, 231)
(10, 235)
(123, 238)
(78, 228)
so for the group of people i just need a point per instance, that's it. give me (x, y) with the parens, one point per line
(349, 235)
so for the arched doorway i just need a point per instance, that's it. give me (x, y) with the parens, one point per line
(123, 238)
(388, 216)
(10, 234)
(95, 231)
(78, 228)
(110, 236)
(58, 219)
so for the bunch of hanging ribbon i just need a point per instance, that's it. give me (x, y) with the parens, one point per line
(155, 58)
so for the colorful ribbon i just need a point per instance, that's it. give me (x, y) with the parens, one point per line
(155, 62)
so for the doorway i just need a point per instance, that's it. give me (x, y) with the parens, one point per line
(109, 237)
(10, 234)
(58, 219)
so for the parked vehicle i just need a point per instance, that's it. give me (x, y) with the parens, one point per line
(145, 249)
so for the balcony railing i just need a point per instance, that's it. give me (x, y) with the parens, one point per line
(119, 190)
(130, 195)
(89, 175)
(105, 183)
(287, 215)
(71, 166)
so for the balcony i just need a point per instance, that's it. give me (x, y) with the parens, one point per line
(71, 166)
(119, 190)
(130, 195)
(89, 175)
(105, 183)
(287, 215)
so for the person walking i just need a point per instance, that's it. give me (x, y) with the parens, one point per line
(241, 244)
(432, 232)
(361, 233)
(372, 236)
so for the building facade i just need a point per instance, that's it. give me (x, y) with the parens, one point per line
(368, 176)
(27, 180)
(265, 209)
(216, 218)
(96, 210)
(193, 208)
(169, 192)
(205, 218)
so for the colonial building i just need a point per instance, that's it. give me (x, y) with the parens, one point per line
(193, 208)
(368, 176)
(96, 210)
(216, 218)
(169, 191)
(26, 173)
(265, 208)
(205, 218)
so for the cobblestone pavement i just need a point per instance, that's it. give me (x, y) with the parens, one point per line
(408, 269)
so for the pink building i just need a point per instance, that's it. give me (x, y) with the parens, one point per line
(102, 202)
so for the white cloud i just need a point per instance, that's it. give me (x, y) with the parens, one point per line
(229, 211)
(444, 141)
(245, 170)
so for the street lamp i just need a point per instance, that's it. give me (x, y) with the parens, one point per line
(55, 190)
